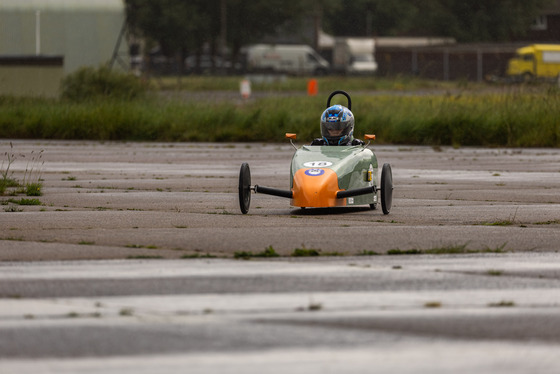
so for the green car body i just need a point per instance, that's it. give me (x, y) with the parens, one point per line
(355, 167)
(323, 176)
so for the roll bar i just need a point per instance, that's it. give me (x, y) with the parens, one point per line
(334, 93)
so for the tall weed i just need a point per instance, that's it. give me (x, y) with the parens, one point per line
(517, 119)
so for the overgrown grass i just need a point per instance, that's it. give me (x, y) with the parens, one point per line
(448, 249)
(271, 252)
(6, 174)
(24, 201)
(508, 118)
(198, 255)
(502, 304)
(7, 183)
(267, 253)
(144, 257)
(505, 222)
(306, 252)
(31, 184)
(368, 253)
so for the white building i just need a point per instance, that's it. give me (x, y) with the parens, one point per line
(83, 32)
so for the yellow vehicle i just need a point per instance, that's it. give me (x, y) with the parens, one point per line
(535, 61)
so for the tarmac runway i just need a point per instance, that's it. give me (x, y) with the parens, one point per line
(87, 285)
(169, 200)
(478, 313)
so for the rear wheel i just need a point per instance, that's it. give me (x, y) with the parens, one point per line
(244, 188)
(386, 188)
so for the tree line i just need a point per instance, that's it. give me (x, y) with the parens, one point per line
(183, 27)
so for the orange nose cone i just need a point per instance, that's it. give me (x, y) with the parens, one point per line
(316, 188)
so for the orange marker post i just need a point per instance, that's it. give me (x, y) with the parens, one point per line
(312, 87)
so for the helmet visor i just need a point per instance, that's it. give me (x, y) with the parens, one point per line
(335, 125)
(335, 129)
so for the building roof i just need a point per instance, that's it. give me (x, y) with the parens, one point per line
(66, 5)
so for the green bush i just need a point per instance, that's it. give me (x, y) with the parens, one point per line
(89, 84)
(34, 189)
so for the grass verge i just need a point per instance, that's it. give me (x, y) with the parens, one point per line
(450, 249)
(245, 255)
(515, 118)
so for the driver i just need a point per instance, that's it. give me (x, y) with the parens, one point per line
(337, 127)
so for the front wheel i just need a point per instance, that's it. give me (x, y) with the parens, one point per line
(244, 188)
(386, 188)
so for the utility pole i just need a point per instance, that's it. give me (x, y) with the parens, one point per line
(316, 25)
(369, 17)
(223, 27)
(37, 32)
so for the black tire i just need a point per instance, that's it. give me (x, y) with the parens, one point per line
(244, 188)
(386, 188)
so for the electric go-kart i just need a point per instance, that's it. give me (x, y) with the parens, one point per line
(328, 176)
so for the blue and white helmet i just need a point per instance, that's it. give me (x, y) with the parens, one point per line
(337, 125)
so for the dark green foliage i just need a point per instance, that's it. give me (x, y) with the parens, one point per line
(449, 249)
(174, 24)
(305, 252)
(6, 183)
(32, 172)
(466, 21)
(88, 83)
(245, 255)
(33, 189)
(368, 253)
(397, 252)
(24, 201)
(198, 255)
(502, 304)
(182, 27)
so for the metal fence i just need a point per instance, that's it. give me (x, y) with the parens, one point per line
(451, 62)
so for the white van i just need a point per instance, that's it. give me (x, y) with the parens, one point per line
(286, 58)
(354, 55)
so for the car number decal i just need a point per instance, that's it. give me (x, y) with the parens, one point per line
(314, 172)
(317, 164)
